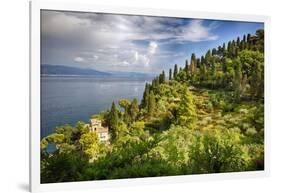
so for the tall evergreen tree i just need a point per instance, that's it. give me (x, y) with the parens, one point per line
(202, 60)
(170, 74)
(151, 103)
(219, 50)
(208, 58)
(186, 114)
(175, 71)
(256, 81)
(243, 43)
(248, 45)
(126, 104)
(237, 80)
(113, 120)
(233, 43)
(134, 109)
(180, 69)
(155, 82)
(202, 72)
(186, 65)
(198, 63)
(223, 47)
(260, 40)
(244, 38)
(229, 47)
(192, 64)
(248, 37)
(193, 57)
(213, 75)
(214, 51)
(186, 68)
(145, 97)
(162, 77)
(238, 42)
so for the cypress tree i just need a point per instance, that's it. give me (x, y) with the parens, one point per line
(192, 64)
(193, 57)
(256, 81)
(186, 69)
(204, 70)
(248, 45)
(151, 103)
(214, 51)
(157, 82)
(175, 71)
(244, 38)
(238, 42)
(186, 114)
(208, 58)
(170, 74)
(224, 50)
(134, 109)
(236, 51)
(223, 47)
(248, 37)
(228, 47)
(224, 65)
(198, 63)
(113, 120)
(145, 97)
(243, 45)
(260, 40)
(237, 80)
(186, 65)
(233, 43)
(162, 77)
(219, 50)
(202, 60)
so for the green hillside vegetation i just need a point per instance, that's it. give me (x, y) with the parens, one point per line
(206, 117)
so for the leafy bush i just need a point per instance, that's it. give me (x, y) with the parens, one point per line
(217, 151)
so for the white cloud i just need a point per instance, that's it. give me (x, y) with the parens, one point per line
(125, 63)
(136, 56)
(144, 60)
(196, 32)
(152, 48)
(79, 59)
(96, 57)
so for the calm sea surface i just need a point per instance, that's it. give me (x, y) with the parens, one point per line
(66, 100)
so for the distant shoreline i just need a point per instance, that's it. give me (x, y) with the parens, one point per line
(60, 70)
(75, 75)
(114, 77)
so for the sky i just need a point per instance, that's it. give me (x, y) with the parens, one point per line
(131, 43)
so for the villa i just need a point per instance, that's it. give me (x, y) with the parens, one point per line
(102, 132)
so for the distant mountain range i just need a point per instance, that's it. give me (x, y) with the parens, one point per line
(47, 69)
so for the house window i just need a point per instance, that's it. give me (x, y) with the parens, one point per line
(103, 135)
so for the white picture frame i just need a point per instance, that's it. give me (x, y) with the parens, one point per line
(35, 7)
